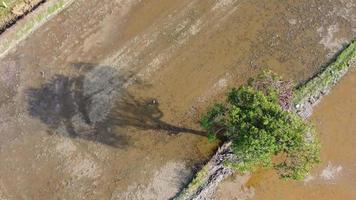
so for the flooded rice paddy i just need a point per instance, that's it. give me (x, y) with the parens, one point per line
(102, 101)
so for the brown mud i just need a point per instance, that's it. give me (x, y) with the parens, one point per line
(102, 101)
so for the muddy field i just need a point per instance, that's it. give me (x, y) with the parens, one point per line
(102, 101)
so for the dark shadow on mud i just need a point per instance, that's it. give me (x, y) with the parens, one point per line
(143, 114)
(92, 103)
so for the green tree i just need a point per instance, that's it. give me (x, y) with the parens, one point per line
(257, 119)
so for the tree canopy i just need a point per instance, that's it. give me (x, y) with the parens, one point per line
(264, 132)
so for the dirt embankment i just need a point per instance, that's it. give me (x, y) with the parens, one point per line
(11, 11)
(309, 95)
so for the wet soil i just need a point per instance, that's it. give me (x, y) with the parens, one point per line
(102, 101)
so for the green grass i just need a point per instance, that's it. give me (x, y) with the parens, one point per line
(40, 17)
(30, 25)
(199, 178)
(6, 6)
(197, 182)
(323, 81)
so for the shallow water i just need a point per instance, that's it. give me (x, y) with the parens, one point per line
(102, 101)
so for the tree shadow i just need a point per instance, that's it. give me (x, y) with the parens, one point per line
(92, 103)
(143, 114)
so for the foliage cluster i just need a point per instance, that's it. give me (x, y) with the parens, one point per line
(256, 119)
